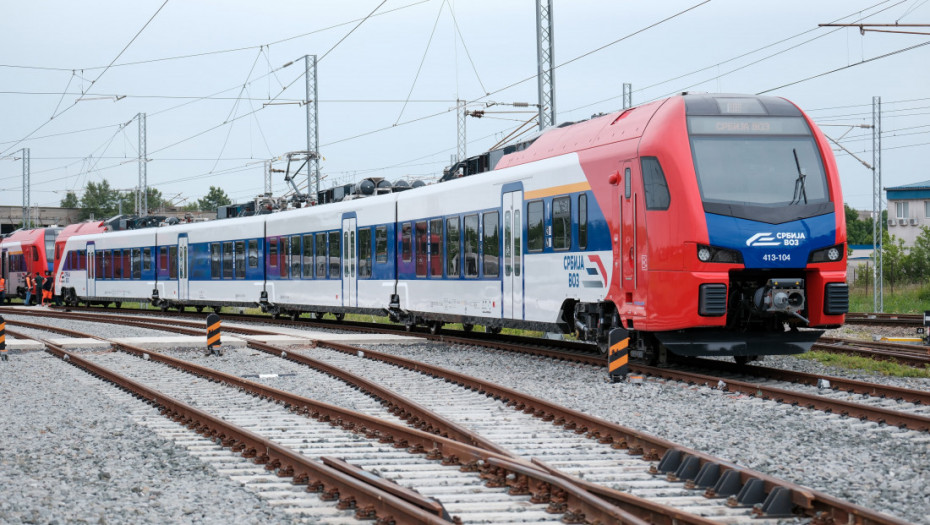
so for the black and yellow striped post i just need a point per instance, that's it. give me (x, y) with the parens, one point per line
(213, 335)
(618, 357)
(3, 355)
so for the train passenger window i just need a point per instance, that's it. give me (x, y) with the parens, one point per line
(627, 184)
(471, 246)
(282, 252)
(655, 185)
(347, 243)
(162, 258)
(227, 260)
(253, 253)
(172, 262)
(453, 251)
(136, 263)
(435, 248)
(240, 259)
(118, 264)
(405, 242)
(508, 239)
(127, 264)
(491, 244)
(146, 259)
(108, 264)
(582, 222)
(273, 252)
(307, 257)
(364, 252)
(321, 261)
(216, 260)
(535, 233)
(295, 257)
(381, 244)
(517, 242)
(98, 265)
(334, 255)
(422, 248)
(561, 223)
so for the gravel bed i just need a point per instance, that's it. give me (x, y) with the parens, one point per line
(70, 453)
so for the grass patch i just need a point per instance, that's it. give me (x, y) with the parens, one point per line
(902, 299)
(886, 368)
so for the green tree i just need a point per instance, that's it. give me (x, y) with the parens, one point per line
(99, 200)
(70, 201)
(857, 231)
(918, 257)
(894, 258)
(214, 198)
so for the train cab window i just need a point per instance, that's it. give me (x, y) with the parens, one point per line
(405, 242)
(35, 254)
(381, 244)
(655, 185)
(364, 252)
(146, 259)
(216, 260)
(471, 246)
(422, 248)
(240, 259)
(627, 184)
(273, 252)
(491, 244)
(253, 253)
(136, 263)
(561, 223)
(295, 257)
(307, 257)
(582, 222)
(453, 248)
(435, 248)
(334, 255)
(321, 261)
(535, 233)
(227, 260)
(172, 262)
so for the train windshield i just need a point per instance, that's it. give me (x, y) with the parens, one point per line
(752, 162)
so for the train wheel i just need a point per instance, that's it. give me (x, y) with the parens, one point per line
(340, 316)
(164, 307)
(741, 359)
(467, 327)
(118, 305)
(199, 309)
(317, 315)
(216, 309)
(435, 327)
(492, 329)
(409, 325)
(295, 315)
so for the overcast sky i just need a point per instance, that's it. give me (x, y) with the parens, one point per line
(387, 89)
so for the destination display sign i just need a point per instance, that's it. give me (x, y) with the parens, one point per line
(713, 125)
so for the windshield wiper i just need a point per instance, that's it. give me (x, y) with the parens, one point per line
(800, 192)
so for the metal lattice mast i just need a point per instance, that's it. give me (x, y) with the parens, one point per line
(460, 128)
(313, 129)
(877, 226)
(142, 206)
(627, 95)
(27, 190)
(544, 57)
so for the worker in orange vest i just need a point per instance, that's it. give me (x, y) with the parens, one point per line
(29, 284)
(47, 290)
(2, 289)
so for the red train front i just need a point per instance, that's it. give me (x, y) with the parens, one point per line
(726, 220)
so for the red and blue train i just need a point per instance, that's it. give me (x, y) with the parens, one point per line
(697, 225)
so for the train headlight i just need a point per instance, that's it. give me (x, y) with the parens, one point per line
(714, 254)
(703, 254)
(831, 254)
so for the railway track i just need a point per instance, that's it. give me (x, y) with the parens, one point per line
(907, 354)
(685, 469)
(885, 319)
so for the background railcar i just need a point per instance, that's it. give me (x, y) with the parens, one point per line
(26, 251)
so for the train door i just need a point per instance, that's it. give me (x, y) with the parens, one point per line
(628, 214)
(349, 270)
(513, 255)
(5, 266)
(182, 267)
(91, 270)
